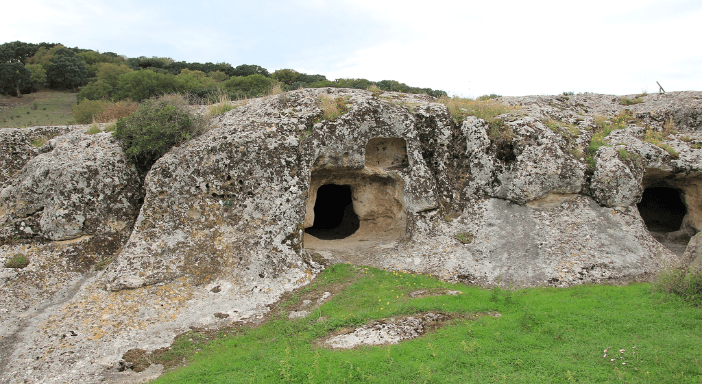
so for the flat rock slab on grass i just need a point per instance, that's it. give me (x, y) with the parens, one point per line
(388, 331)
(433, 292)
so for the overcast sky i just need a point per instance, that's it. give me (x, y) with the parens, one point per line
(467, 48)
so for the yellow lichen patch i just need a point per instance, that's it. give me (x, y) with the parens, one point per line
(104, 313)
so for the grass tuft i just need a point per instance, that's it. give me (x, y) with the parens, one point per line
(222, 106)
(465, 237)
(18, 260)
(685, 283)
(486, 108)
(333, 108)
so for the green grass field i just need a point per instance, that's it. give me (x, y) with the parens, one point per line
(40, 108)
(544, 335)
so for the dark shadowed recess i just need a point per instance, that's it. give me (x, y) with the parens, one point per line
(334, 217)
(662, 209)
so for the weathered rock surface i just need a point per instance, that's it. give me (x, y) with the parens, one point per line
(81, 186)
(16, 147)
(226, 222)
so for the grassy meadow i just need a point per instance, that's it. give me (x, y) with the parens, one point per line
(41, 108)
(587, 334)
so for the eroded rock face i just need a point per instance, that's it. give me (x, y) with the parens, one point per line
(18, 146)
(222, 230)
(81, 186)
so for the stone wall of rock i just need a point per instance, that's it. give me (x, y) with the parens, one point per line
(222, 228)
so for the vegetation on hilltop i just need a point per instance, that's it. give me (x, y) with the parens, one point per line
(26, 67)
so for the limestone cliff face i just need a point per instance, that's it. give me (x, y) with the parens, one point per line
(259, 204)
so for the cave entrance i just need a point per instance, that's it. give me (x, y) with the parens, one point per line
(350, 210)
(662, 209)
(334, 217)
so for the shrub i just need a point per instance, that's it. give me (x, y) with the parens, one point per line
(86, 111)
(141, 85)
(114, 111)
(96, 90)
(683, 282)
(17, 261)
(156, 126)
(249, 86)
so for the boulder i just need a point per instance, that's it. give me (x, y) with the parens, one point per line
(81, 186)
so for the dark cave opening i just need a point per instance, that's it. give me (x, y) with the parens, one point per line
(334, 217)
(662, 209)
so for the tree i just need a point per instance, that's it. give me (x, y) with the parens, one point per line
(97, 90)
(249, 86)
(247, 70)
(140, 85)
(17, 52)
(45, 56)
(218, 76)
(38, 73)
(66, 72)
(15, 79)
(110, 73)
(286, 76)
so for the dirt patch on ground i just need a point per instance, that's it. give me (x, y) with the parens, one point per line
(392, 330)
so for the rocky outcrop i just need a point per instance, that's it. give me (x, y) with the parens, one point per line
(18, 146)
(230, 221)
(81, 186)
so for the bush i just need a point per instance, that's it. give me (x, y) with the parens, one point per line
(141, 85)
(114, 111)
(156, 126)
(87, 110)
(683, 282)
(249, 86)
(17, 261)
(97, 90)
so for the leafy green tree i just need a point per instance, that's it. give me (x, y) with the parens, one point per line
(38, 73)
(286, 76)
(189, 80)
(15, 79)
(144, 84)
(66, 72)
(157, 126)
(308, 79)
(218, 76)
(96, 90)
(45, 56)
(17, 52)
(110, 73)
(248, 70)
(249, 86)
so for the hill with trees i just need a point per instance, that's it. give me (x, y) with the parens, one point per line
(26, 67)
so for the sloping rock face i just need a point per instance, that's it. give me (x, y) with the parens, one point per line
(259, 204)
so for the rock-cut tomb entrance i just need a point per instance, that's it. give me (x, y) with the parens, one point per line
(671, 208)
(354, 209)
